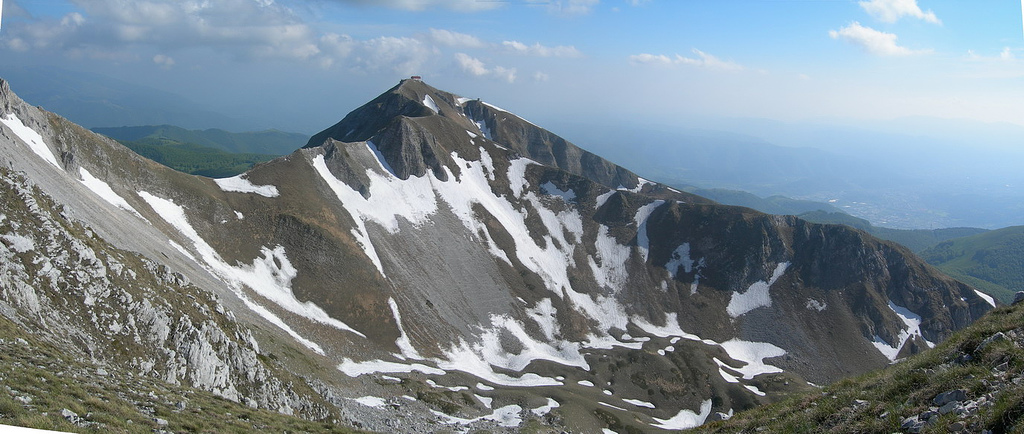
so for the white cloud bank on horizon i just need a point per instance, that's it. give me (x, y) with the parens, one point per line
(873, 41)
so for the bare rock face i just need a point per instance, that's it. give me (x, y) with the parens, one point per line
(440, 259)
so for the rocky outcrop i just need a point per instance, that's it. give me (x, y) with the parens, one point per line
(119, 310)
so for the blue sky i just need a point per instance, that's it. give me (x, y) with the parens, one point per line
(573, 60)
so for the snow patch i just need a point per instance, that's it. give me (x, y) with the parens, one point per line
(587, 383)
(602, 198)
(813, 304)
(380, 158)
(753, 354)
(642, 214)
(546, 408)
(371, 401)
(912, 323)
(552, 189)
(756, 295)
(19, 243)
(639, 403)
(507, 416)
(240, 184)
(403, 342)
(429, 102)
(355, 369)
(680, 258)
(986, 297)
(103, 190)
(31, 138)
(685, 419)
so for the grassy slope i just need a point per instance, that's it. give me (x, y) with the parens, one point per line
(880, 401)
(992, 261)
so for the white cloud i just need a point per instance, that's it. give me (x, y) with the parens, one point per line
(873, 41)
(419, 5)
(540, 50)
(703, 60)
(568, 7)
(454, 39)
(890, 11)
(404, 56)
(476, 67)
(1006, 54)
(540, 76)
(164, 61)
(647, 58)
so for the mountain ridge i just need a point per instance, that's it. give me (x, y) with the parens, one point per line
(453, 243)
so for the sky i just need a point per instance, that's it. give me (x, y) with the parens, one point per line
(301, 65)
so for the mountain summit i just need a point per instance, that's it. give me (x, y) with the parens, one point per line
(433, 259)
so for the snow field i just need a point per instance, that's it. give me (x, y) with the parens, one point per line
(680, 258)
(403, 342)
(642, 214)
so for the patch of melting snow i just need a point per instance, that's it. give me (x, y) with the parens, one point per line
(380, 158)
(685, 419)
(756, 295)
(587, 383)
(813, 304)
(639, 403)
(484, 387)
(239, 184)
(484, 400)
(31, 138)
(546, 408)
(642, 214)
(239, 215)
(552, 189)
(912, 323)
(507, 416)
(429, 102)
(602, 198)
(986, 297)
(403, 342)
(355, 369)
(371, 401)
(753, 354)
(611, 406)
(103, 190)
(680, 258)
(19, 243)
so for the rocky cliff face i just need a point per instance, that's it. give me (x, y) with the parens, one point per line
(443, 250)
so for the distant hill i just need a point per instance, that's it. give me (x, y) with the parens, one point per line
(195, 159)
(992, 261)
(270, 142)
(780, 205)
(914, 239)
